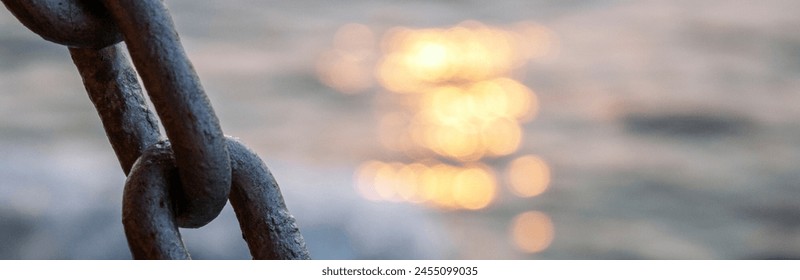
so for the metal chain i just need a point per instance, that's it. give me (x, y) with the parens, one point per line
(80, 24)
(182, 105)
(114, 90)
(181, 182)
(268, 228)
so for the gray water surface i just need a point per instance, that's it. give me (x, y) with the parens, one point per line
(670, 128)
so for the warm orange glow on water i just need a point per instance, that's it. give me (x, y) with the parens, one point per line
(343, 72)
(532, 231)
(528, 176)
(469, 123)
(468, 52)
(439, 185)
(455, 102)
(366, 178)
(474, 188)
(348, 66)
(501, 137)
(385, 183)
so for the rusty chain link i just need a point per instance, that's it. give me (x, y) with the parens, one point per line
(115, 92)
(181, 182)
(182, 105)
(71, 23)
(266, 225)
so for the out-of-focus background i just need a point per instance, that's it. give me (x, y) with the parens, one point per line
(510, 129)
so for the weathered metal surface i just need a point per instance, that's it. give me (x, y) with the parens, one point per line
(153, 185)
(270, 231)
(148, 206)
(71, 23)
(115, 92)
(183, 182)
(182, 105)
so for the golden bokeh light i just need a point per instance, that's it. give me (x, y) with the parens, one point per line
(474, 188)
(455, 101)
(468, 52)
(528, 176)
(428, 59)
(437, 184)
(469, 123)
(501, 137)
(393, 77)
(365, 179)
(344, 72)
(521, 101)
(532, 231)
(348, 66)
(385, 182)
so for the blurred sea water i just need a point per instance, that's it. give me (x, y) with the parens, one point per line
(668, 129)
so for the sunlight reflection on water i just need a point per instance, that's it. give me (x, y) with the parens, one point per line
(641, 129)
(456, 104)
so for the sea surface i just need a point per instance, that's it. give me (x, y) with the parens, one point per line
(656, 130)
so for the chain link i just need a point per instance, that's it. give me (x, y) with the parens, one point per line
(182, 105)
(114, 90)
(82, 24)
(181, 182)
(149, 217)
